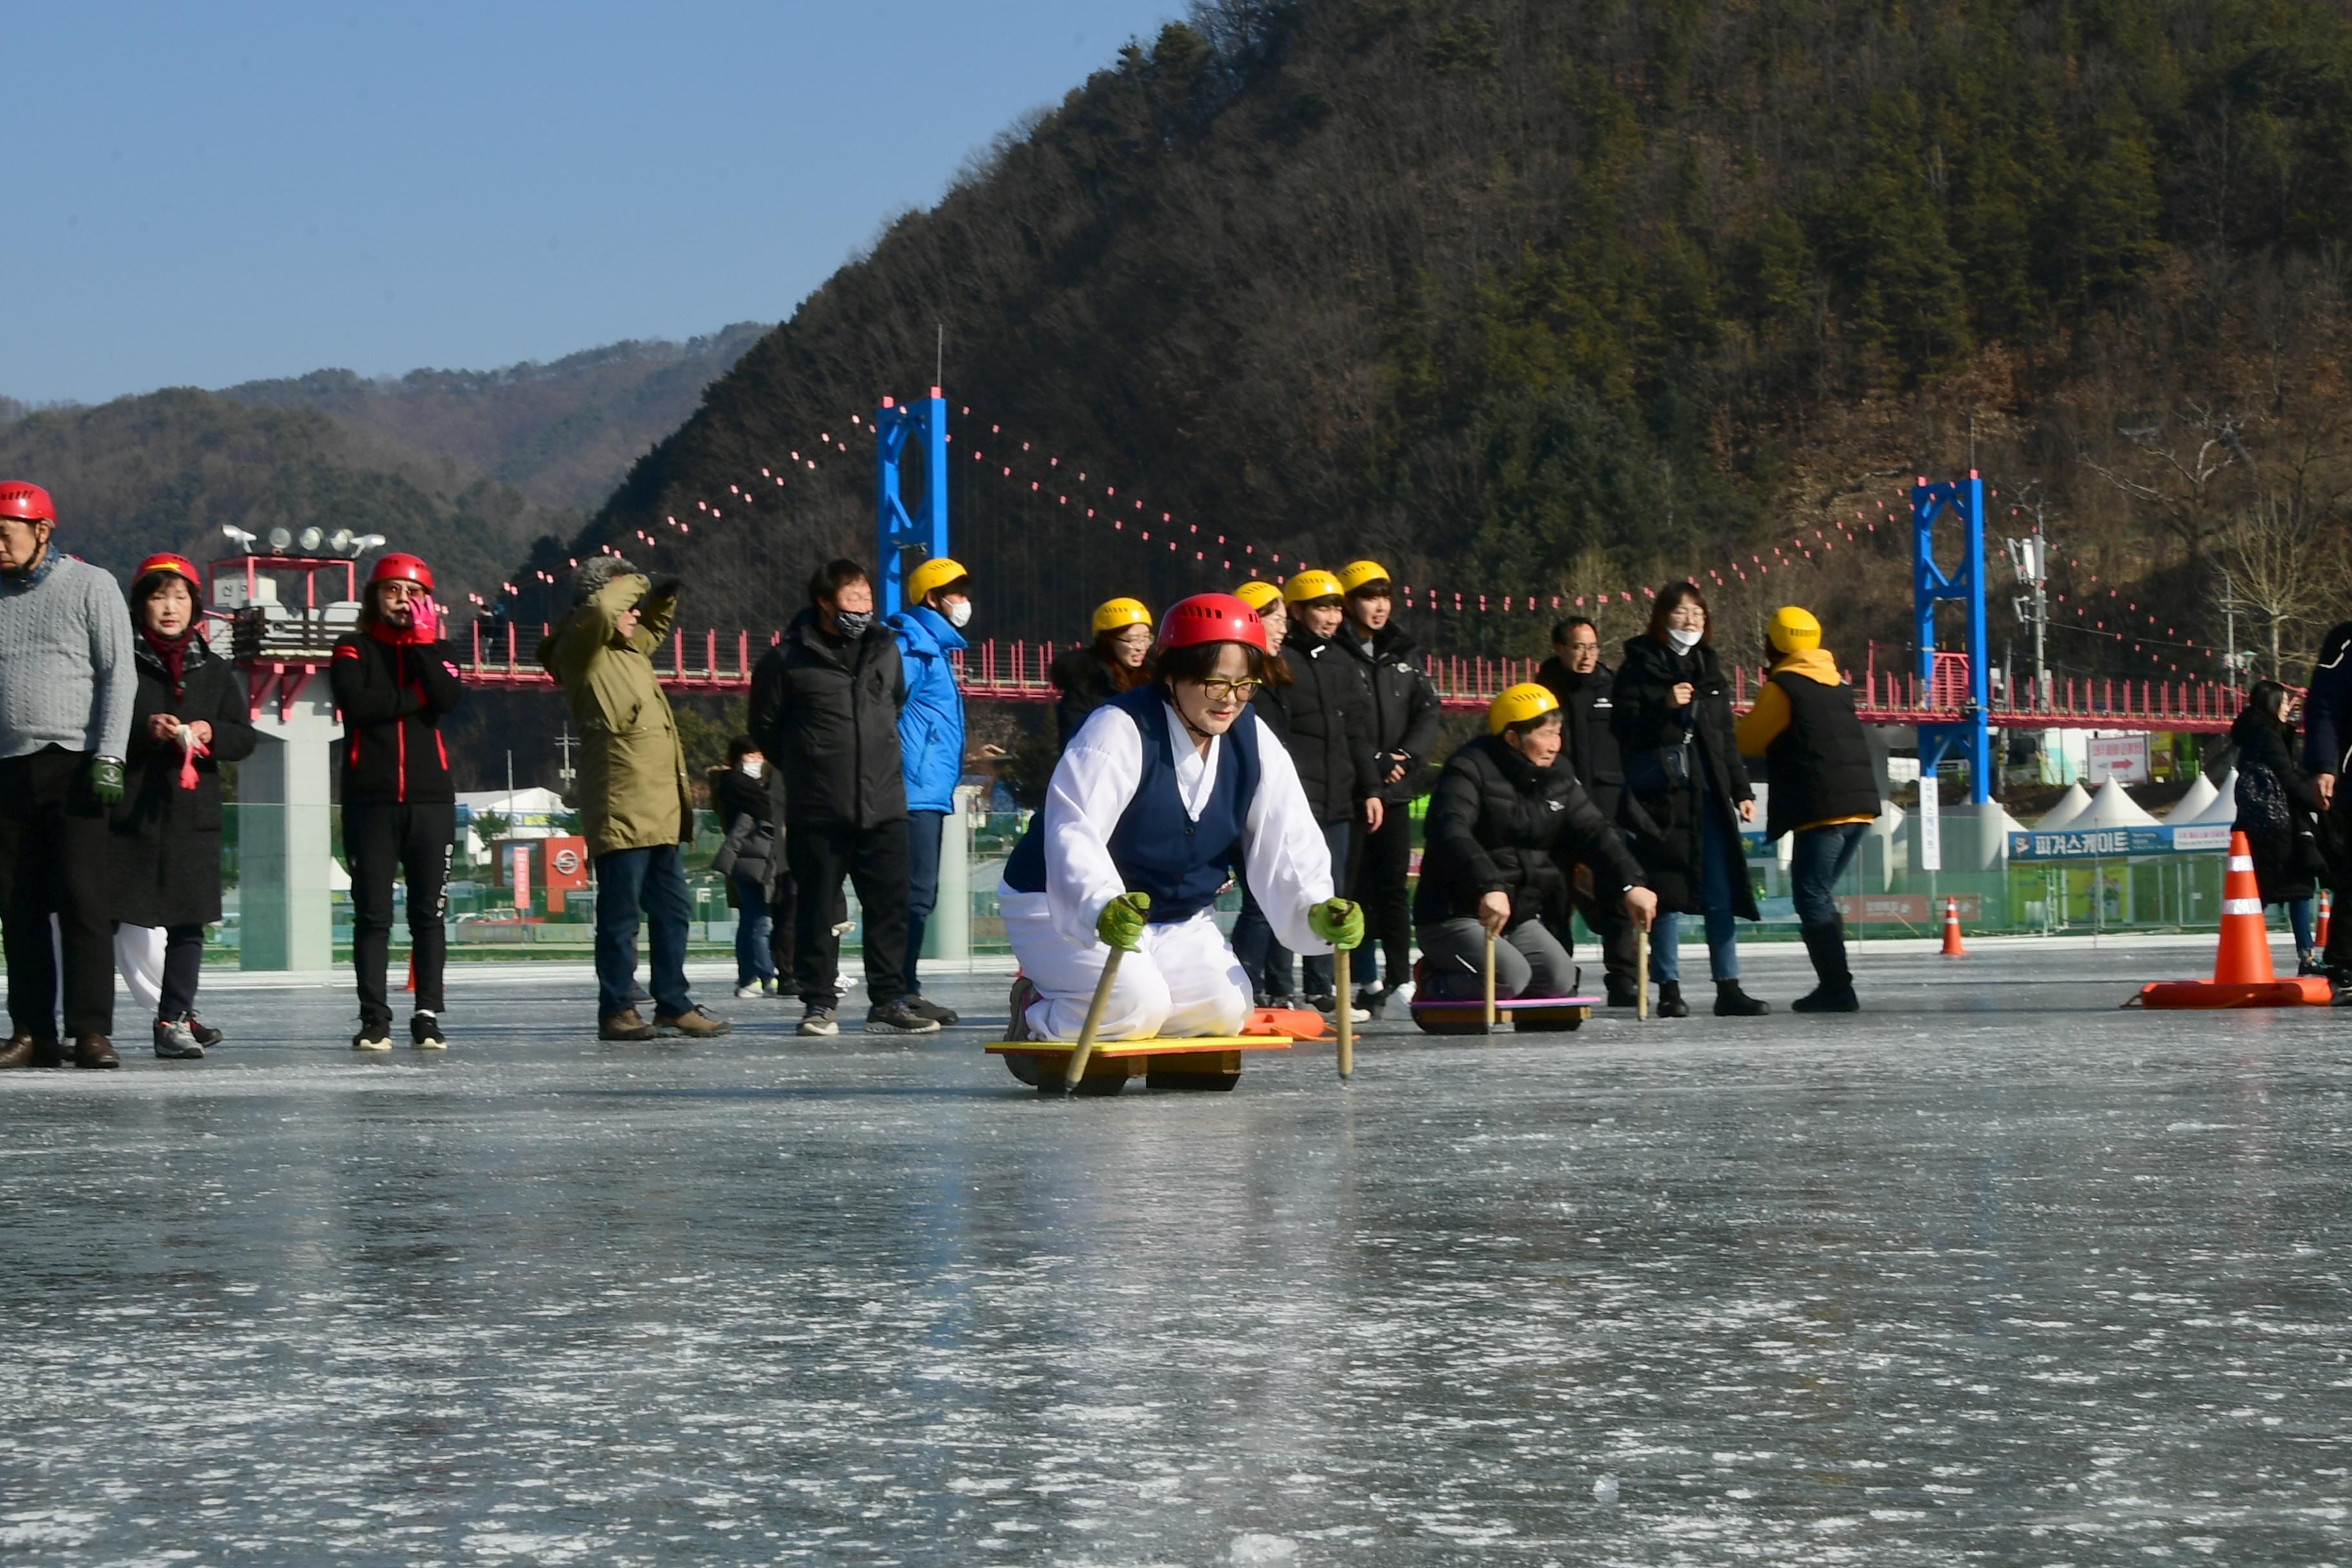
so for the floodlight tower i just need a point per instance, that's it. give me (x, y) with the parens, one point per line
(924, 425)
(1971, 737)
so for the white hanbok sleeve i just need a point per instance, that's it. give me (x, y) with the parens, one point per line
(1288, 863)
(1092, 785)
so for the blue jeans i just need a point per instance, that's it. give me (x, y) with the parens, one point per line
(653, 880)
(753, 925)
(1265, 961)
(1817, 860)
(2298, 915)
(923, 831)
(1719, 861)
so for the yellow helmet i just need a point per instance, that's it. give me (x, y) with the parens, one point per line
(932, 576)
(1113, 614)
(1257, 593)
(1305, 587)
(1794, 630)
(1355, 574)
(1518, 705)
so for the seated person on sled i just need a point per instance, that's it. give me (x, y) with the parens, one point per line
(1161, 791)
(1506, 824)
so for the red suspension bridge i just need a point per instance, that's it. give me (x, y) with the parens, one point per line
(993, 672)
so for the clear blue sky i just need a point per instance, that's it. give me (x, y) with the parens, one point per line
(204, 194)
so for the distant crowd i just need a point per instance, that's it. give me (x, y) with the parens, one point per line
(1272, 738)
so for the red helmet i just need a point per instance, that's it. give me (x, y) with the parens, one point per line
(26, 502)
(1212, 617)
(165, 560)
(398, 567)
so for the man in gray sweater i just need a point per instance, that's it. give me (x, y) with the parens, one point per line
(65, 690)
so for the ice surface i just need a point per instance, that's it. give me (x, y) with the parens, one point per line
(1993, 1272)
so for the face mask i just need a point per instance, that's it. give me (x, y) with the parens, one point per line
(853, 622)
(959, 614)
(1683, 641)
(753, 767)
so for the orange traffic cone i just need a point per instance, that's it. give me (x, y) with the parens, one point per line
(2242, 977)
(410, 983)
(1952, 948)
(2319, 937)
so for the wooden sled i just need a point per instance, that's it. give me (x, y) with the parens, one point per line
(1528, 1015)
(1208, 1062)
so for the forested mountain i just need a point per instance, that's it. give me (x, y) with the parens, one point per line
(561, 433)
(1561, 295)
(468, 468)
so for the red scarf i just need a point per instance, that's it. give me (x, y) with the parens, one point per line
(173, 652)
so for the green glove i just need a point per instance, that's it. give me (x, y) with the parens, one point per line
(1121, 922)
(1340, 922)
(106, 779)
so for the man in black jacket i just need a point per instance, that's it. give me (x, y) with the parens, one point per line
(1404, 714)
(2327, 756)
(1575, 675)
(393, 680)
(824, 708)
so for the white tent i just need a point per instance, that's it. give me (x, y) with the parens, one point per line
(2200, 796)
(2225, 809)
(2112, 806)
(2071, 805)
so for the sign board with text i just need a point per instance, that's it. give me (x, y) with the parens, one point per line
(2121, 757)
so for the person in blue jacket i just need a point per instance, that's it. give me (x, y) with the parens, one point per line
(931, 738)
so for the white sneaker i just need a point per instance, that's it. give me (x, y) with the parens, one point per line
(748, 992)
(843, 984)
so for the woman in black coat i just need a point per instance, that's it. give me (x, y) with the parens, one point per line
(1686, 792)
(1119, 660)
(166, 852)
(2277, 805)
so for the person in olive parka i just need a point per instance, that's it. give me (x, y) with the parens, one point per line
(188, 718)
(1686, 792)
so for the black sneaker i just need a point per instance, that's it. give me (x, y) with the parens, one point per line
(424, 1032)
(1731, 1002)
(1623, 994)
(206, 1036)
(175, 1042)
(924, 1007)
(897, 1018)
(1670, 1000)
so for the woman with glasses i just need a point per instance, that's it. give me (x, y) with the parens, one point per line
(1686, 792)
(1161, 791)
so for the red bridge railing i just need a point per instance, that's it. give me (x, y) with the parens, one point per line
(1020, 671)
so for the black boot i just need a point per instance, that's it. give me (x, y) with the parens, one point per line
(1731, 1002)
(1670, 1000)
(1826, 944)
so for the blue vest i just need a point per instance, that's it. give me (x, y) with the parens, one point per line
(1157, 847)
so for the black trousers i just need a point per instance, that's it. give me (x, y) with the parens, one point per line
(183, 966)
(381, 842)
(875, 861)
(2339, 953)
(1382, 860)
(53, 859)
(1620, 938)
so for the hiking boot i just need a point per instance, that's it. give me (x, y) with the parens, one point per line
(1623, 993)
(898, 1018)
(95, 1051)
(1024, 991)
(1826, 944)
(373, 1037)
(626, 1025)
(175, 1041)
(1731, 1002)
(924, 1007)
(25, 1051)
(1670, 1000)
(695, 1024)
(205, 1036)
(817, 1019)
(424, 1032)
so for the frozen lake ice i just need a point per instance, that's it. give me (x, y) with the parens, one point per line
(1994, 1272)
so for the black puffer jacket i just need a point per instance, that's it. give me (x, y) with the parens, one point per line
(2270, 776)
(1325, 724)
(392, 696)
(1592, 748)
(826, 711)
(1404, 706)
(745, 807)
(164, 863)
(1085, 683)
(1668, 752)
(1498, 823)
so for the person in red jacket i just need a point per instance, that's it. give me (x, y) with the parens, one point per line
(393, 679)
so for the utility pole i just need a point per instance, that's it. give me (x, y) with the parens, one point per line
(2030, 557)
(565, 775)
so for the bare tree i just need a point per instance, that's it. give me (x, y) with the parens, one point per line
(2178, 463)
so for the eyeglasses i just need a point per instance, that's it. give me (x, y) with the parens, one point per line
(1216, 688)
